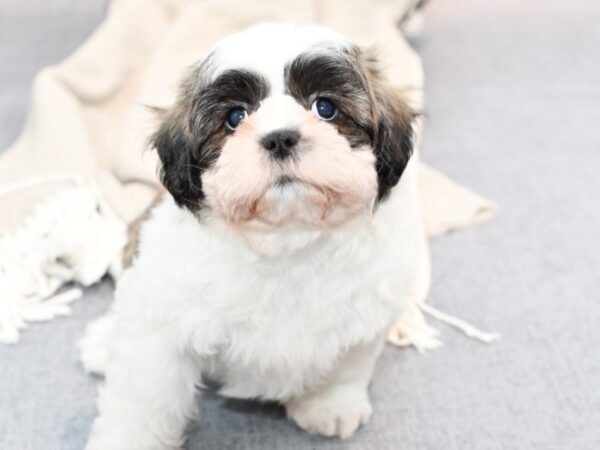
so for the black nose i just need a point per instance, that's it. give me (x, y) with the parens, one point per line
(280, 143)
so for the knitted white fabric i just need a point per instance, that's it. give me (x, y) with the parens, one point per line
(72, 238)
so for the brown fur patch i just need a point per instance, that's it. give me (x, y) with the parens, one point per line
(131, 249)
(392, 121)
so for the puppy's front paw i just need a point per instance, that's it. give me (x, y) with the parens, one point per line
(94, 345)
(336, 412)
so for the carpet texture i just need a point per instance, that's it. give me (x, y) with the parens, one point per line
(513, 105)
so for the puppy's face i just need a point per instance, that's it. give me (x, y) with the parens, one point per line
(284, 125)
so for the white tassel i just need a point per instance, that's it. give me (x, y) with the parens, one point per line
(412, 329)
(462, 325)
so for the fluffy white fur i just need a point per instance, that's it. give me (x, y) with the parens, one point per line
(293, 314)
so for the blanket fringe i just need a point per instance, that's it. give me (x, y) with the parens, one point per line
(462, 325)
(70, 237)
(413, 330)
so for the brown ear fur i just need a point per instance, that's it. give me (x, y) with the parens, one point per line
(179, 141)
(179, 171)
(393, 132)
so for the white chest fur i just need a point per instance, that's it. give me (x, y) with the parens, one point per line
(273, 326)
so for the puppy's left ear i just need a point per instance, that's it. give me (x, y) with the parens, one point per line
(393, 141)
(393, 138)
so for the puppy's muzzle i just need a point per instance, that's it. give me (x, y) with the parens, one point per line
(281, 144)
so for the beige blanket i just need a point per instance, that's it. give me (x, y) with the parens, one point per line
(78, 174)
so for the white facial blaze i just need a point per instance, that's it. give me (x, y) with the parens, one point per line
(278, 112)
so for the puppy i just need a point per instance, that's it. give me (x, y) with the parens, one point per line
(290, 243)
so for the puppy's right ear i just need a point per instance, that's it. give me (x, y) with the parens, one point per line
(180, 138)
(179, 170)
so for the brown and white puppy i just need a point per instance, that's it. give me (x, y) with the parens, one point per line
(291, 241)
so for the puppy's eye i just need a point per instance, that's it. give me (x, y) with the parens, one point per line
(324, 108)
(235, 117)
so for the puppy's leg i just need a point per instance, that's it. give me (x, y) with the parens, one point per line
(94, 345)
(341, 404)
(411, 328)
(149, 392)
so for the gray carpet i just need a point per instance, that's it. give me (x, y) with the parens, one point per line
(514, 102)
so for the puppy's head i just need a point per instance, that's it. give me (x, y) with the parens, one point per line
(284, 125)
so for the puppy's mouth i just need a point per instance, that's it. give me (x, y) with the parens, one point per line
(290, 181)
(285, 180)
(289, 199)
